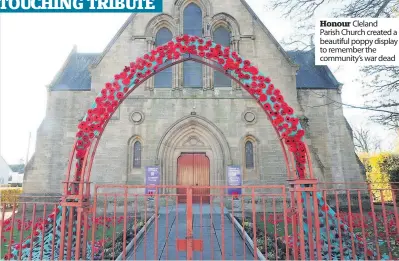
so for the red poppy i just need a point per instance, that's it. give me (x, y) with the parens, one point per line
(99, 100)
(125, 89)
(120, 95)
(276, 106)
(123, 75)
(272, 98)
(126, 81)
(300, 133)
(262, 85)
(262, 98)
(82, 125)
(277, 120)
(253, 70)
(273, 113)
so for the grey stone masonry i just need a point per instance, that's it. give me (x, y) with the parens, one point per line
(171, 121)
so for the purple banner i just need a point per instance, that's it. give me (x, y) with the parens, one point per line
(234, 179)
(152, 178)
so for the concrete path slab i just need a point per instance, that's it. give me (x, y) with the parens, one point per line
(210, 223)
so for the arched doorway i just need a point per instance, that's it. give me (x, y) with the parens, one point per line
(193, 134)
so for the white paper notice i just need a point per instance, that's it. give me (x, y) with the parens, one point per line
(368, 41)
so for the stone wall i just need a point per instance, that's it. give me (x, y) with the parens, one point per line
(331, 139)
(218, 109)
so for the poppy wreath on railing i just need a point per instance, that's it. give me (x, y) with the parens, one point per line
(258, 85)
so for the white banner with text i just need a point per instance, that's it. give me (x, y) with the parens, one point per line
(368, 41)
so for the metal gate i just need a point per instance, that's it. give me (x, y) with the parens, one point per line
(218, 226)
(312, 221)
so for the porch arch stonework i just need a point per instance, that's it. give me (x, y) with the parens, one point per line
(193, 134)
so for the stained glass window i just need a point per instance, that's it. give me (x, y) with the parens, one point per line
(249, 155)
(221, 36)
(137, 155)
(192, 23)
(163, 79)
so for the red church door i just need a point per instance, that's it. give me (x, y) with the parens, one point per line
(193, 170)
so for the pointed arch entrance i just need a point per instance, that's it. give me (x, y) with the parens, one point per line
(193, 134)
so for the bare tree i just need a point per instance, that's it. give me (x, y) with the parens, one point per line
(365, 141)
(381, 83)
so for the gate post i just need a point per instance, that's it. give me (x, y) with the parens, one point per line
(303, 197)
(189, 227)
(75, 211)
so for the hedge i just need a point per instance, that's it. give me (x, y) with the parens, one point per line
(9, 195)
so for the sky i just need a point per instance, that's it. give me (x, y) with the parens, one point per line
(33, 48)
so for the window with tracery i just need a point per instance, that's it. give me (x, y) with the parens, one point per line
(192, 25)
(221, 36)
(163, 79)
(137, 154)
(249, 155)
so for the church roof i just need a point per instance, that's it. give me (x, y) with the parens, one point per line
(310, 75)
(75, 74)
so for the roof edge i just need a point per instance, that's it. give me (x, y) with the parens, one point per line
(113, 40)
(264, 28)
(64, 65)
(2, 159)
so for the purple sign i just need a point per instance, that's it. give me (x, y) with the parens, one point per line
(234, 179)
(152, 178)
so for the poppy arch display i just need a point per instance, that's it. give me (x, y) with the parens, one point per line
(260, 87)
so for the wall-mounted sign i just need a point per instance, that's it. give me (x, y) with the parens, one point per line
(234, 179)
(152, 178)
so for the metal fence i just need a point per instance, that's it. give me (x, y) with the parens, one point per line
(300, 221)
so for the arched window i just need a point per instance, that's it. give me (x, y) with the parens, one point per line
(137, 155)
(163, 79)
(221, 36)
(192, 22)
(249, 155)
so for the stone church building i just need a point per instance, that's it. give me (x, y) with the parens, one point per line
(190, 118)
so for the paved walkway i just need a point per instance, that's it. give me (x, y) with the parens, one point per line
(207, 225)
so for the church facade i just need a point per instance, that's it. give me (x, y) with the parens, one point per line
(189, 116)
